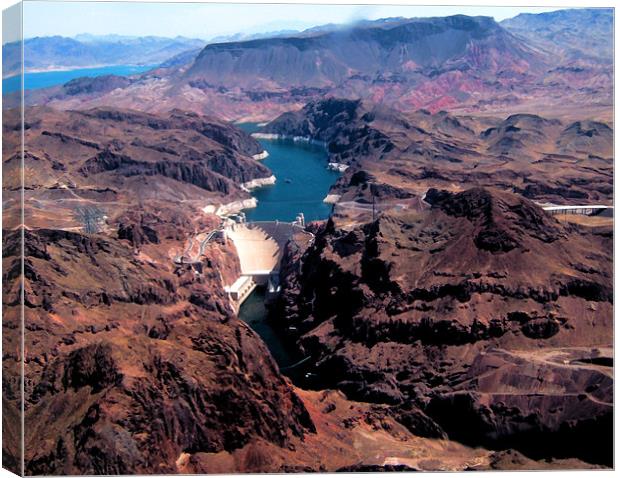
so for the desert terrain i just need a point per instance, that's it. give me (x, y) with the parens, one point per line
(448, 316)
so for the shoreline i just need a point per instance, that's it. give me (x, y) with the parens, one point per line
(233, 207)
(260, 156)
(258, 183)
(60, 69)
(296, 139)
(339, 167)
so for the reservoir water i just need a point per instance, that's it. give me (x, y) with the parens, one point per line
(45, 79)
(302, 182)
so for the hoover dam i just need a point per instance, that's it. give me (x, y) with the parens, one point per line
(260, 246)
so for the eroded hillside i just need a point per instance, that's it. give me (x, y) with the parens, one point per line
(481, 318)
(543, 159)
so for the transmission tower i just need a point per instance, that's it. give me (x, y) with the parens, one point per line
(91, 218)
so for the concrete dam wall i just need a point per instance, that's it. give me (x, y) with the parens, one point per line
(260, 246)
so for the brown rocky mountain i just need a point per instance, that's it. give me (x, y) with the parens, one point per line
(130, 364)
(137, 364)
(452, 296)
(479, 317)
(542, 159)
(121, 157)
(395, 47)
(572, 33)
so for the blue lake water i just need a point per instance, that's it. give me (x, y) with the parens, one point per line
(45, 79)
(302, 181)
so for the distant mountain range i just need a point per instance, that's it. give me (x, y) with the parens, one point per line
(571, 33)
(461, 63)
(85, 50)
(394, 51)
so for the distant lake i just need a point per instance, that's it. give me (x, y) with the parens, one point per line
(45, 79)
(302, 181)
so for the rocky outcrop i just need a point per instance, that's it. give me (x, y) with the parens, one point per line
(208, 126)
(133, 363)
(340, 124)
(469, 310)
(410, 153)
(176, 156)
(141, 227)
(574, 420)
(498, 220)
(97, 85)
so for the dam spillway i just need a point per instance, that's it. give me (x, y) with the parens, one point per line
(260, 246)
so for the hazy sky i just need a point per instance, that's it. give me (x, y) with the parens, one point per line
(208, 20)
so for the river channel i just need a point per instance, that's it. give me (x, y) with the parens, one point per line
(302, 182)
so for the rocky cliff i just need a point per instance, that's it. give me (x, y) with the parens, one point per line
(544, 159)
(481, 318)
(397, 47)
(132, 363)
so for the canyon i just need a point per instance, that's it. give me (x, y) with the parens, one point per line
(406, 153)
(441, 318)
(470, 302)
